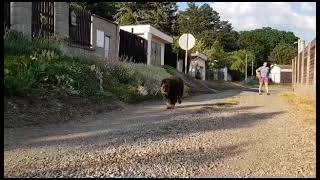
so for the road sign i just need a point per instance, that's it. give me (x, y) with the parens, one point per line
(187, 41)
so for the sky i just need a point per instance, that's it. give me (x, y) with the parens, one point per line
(297, 17)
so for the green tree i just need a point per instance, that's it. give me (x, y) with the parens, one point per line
(217, 57)
(104, 9)
(205, 24)
(282, 54)
(161, 15)
(262, 41)
(239, 60)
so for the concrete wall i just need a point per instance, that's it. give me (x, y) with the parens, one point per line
(61, 19)
(111, 30)
(76, 51)
(21, 16)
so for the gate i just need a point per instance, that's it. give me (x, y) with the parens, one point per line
(80, 30)
(170, 58)
(133, 47)
(6, 15)
(42, 19)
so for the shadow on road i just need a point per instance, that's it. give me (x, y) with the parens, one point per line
(159, 126)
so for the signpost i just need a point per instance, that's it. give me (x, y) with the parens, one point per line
(186, 42)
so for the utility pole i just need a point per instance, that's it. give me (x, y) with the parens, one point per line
(246, 68)
(252, 67)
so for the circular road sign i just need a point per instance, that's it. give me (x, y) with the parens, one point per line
(187, 41)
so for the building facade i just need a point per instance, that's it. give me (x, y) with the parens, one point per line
(88, 35)
(156, 41)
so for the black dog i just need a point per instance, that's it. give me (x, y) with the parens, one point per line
(172, 90)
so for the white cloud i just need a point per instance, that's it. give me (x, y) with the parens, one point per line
(297, 17)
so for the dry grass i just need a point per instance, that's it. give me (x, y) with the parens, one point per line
(302, 104)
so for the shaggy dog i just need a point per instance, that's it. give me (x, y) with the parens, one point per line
(172, 90)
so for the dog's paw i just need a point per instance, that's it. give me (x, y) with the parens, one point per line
(169, 106)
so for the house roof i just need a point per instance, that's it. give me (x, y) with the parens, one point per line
(94, 15)
(140, 29)
(200, 55)
(283, 66)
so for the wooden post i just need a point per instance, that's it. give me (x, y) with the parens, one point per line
(298, 68)
(308, 64)
(292, 74)
(302, 67)
(295, 71)
(315, 61)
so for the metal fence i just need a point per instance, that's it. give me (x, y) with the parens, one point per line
(133, 47)
(42, 19)
(80, 30)
(170, 58)
(304, 69)
(6, 15)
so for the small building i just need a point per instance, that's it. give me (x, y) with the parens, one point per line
(197, 66)
(281, 73)
(156, 42)
(87, 34)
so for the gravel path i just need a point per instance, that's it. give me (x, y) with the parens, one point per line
(202, 137)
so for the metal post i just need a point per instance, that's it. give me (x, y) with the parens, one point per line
(186, 58)
(252, 67)
(246, 68)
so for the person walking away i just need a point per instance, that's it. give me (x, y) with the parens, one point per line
(263, 74)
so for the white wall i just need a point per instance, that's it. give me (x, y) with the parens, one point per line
(192, 68)
(150, 34)
(275, 74)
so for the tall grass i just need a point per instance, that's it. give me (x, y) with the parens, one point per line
(40, 66)
(304, 104)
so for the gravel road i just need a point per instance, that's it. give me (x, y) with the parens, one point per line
(205, 136)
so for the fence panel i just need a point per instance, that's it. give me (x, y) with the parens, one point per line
(80, 31)
(6, 15)
(170, 58)
(304, 76)
(133, 47)
(42, 19)
(312, 64)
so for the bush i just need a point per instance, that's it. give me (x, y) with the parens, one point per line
(16, 43)
(42, 72)
(137, 75)
(39, 66)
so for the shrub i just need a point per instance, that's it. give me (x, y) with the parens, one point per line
(16, 43)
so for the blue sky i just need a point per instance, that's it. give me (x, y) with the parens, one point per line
(298, 17)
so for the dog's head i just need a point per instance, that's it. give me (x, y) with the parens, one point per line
(164, 87)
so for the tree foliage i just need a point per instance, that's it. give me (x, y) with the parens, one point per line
(262, 41)
(161, 15)
(239, 60)
(282, 54)
(205, 24)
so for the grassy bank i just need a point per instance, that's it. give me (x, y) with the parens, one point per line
(302, 104)
(40, 82)
(40, 66)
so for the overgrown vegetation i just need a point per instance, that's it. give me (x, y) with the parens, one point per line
(40, 66)
(302, 104)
